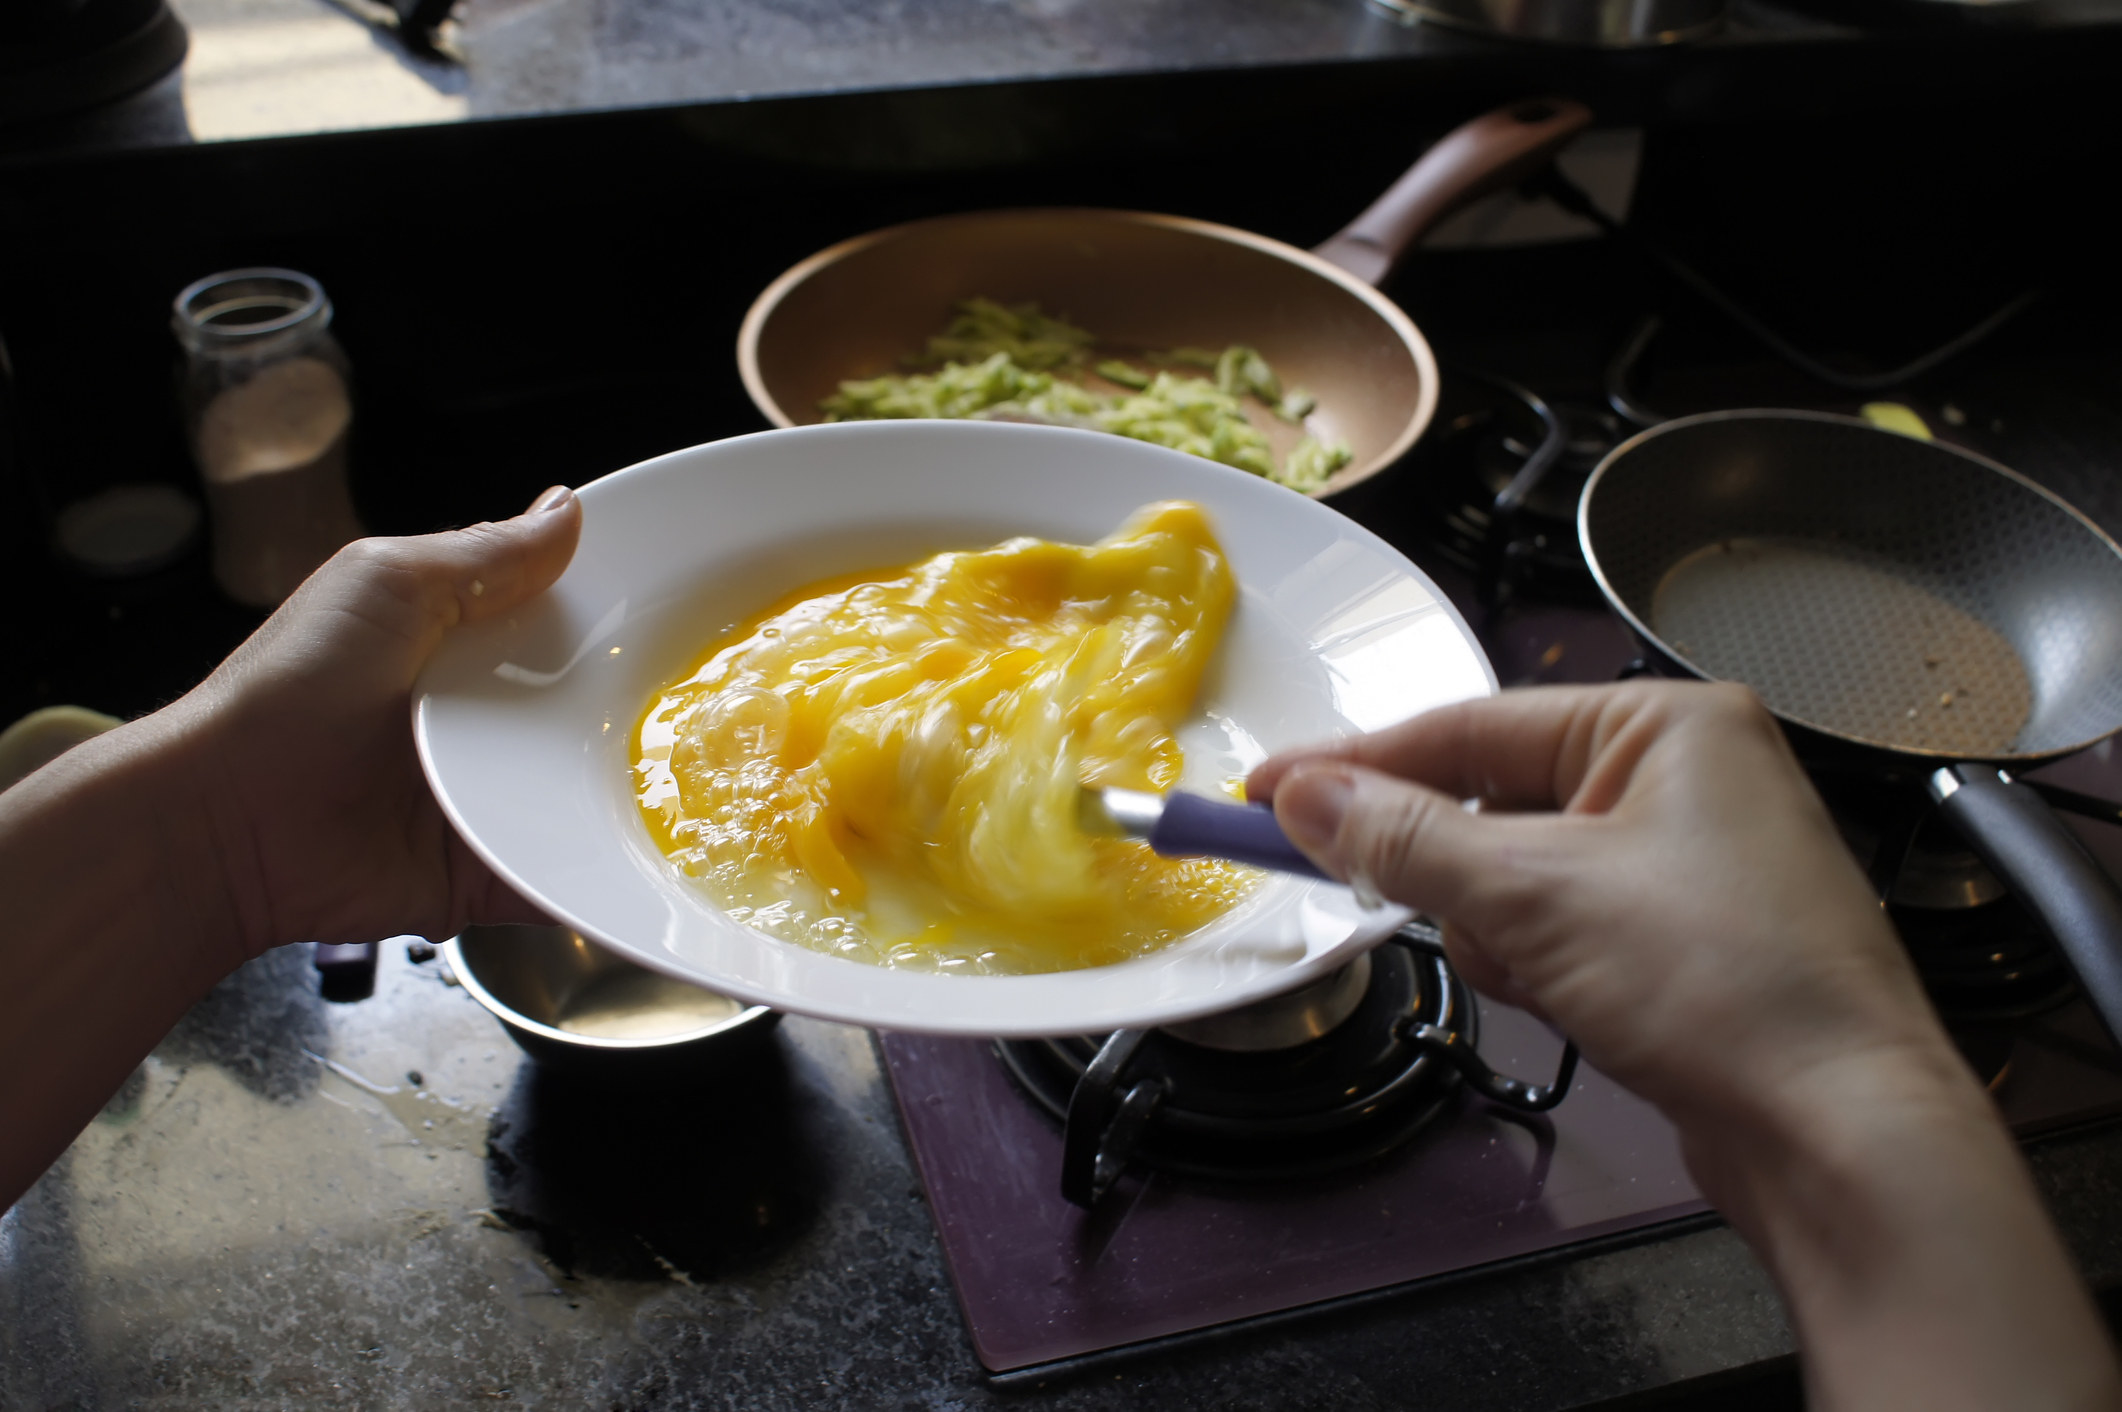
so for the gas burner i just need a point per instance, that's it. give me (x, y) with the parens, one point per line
(1494, 488)
(1285, 1089)
(1984, 964)
(1912, 857)
(1982, 957)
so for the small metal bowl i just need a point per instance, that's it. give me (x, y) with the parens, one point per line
(575, 1006)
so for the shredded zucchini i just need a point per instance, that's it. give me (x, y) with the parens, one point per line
(1312, 463)
(982, 328)
(1195, 416)
(1002, 361)
(962, 390)
(1241, 370)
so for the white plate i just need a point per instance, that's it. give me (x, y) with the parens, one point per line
(523, 724)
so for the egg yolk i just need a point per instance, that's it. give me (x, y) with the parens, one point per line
(887, 766)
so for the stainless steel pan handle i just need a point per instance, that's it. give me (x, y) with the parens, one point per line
(2014, 832)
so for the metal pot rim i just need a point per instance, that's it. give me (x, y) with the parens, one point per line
(468, 977)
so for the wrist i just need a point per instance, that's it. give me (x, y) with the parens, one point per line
(166, 799)
(1825, 1144)
(117, 925)
(197, 747)
(1897, 1217)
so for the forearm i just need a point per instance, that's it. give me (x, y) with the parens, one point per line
(1898, 1219)
(116, 925)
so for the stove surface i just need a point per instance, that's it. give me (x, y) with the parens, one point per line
(1041, 1280)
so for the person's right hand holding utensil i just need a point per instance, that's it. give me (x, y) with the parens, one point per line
(1650, 870)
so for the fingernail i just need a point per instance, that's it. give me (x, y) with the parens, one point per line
(1311, 804)
(552, 500)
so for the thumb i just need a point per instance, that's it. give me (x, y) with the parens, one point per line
(420, 587)
(363, 624)
(385, 603)
(490, 568)
(1406, 841)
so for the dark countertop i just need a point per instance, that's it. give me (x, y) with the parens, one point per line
(547, 299)
(271, 1213)
(272, 68)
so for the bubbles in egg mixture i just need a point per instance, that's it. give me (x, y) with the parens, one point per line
(886, 767)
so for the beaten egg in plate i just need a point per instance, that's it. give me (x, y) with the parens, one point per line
(886, 766)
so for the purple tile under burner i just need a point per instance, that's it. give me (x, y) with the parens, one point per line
(1040, 1280)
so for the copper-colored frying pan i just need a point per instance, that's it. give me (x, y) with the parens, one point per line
(1146, 282)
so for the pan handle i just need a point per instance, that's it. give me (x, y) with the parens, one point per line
(1472, 160)
(2013, 831)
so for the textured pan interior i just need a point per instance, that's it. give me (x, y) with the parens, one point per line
(1139, 282)
(1869, 585)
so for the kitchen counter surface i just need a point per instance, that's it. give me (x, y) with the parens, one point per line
(276, 68)
(381, 1205)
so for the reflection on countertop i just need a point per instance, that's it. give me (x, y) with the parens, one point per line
(271, 68)
(262, 68)
(292, 1201)
(556, 55)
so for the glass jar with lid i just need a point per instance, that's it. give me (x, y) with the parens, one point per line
(268, 404)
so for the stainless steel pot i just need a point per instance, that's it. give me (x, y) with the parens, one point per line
(578, 1007)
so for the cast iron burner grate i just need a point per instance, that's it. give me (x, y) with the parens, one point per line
(1493, 489)
(1359, 1090)
(1461, 478)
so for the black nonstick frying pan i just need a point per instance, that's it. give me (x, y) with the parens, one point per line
(1910, 607)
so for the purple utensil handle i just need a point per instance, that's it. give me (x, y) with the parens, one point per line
(1243, 833)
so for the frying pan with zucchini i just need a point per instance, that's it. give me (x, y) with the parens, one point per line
(1156, 286)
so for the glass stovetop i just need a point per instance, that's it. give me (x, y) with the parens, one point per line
(1041, 1280)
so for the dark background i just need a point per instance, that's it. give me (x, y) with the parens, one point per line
(537, 301)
